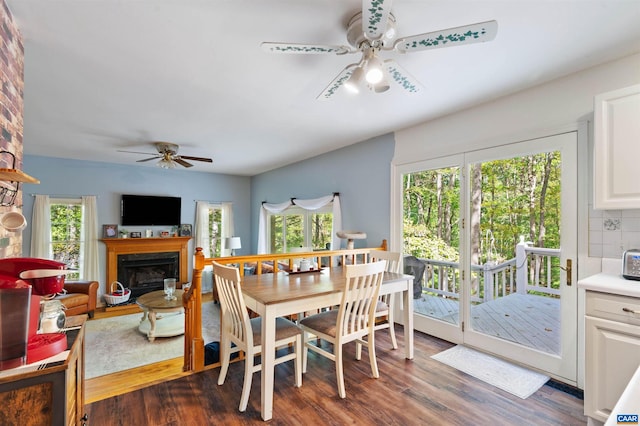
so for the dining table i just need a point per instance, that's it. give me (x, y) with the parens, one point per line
(282, 294)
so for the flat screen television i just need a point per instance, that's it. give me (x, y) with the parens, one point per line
(149, 210)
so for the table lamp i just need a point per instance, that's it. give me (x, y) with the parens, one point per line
(232, 243)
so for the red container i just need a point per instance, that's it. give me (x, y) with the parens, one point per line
(15, 305)
(13, 266)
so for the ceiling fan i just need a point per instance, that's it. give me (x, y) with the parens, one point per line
(373, 30)
(168, 156)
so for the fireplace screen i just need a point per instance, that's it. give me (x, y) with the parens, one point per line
(145, 272)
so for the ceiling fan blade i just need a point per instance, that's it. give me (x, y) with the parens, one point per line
(337, 82)
(402, 77)
(182, 162)
(149, 159)
(136, 152)
(375, 15)
(188, 157)
(467, 34)
(304, 48)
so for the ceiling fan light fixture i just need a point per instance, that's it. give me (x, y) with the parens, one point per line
(375, 70)
(355, 80)
(166, 164)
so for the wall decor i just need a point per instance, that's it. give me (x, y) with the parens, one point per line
(185, 230)
(109, 231)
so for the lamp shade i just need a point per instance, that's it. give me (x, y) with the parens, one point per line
(232, 243)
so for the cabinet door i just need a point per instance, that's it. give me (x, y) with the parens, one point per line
(612, 356)
(617, 149)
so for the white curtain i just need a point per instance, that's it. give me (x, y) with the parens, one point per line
(41, 228)
(203, 239)
(312, 204)
(89, 248)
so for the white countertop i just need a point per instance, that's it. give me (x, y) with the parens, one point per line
(611, 283)
(629, 402)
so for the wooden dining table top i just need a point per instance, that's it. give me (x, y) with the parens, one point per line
(282, 286)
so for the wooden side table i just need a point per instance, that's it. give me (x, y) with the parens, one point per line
(161, 317)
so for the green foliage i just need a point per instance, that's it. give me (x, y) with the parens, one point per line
(419, 242)
(66, 222)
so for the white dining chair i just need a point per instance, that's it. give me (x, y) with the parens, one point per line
(352, 321)
(245, 333)
(384, 307)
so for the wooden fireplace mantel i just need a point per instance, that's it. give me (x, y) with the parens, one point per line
(117, 246)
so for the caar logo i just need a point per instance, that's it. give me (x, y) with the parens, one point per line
(627, 419)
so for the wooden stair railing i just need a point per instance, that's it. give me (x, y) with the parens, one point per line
(192, 300)
(192, 303)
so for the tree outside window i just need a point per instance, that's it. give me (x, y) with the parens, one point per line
(215, 231)
(66, 235)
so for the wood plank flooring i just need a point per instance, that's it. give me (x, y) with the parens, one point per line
(418, 392)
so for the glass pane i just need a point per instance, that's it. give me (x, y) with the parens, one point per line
(321, 225)
(294, 231)
(431, 239)
(277, 233)
(66, 222)
(515, 241)
(215, 227)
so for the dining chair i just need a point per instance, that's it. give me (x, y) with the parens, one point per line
(352, 321)
(384, 307)
(236, 327)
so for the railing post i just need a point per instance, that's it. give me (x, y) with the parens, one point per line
(192, 303)
(487, 280)
(521, 267)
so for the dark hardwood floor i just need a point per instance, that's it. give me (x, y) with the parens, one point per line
(418, 392)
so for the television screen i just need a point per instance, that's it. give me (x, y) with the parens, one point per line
(147, 210)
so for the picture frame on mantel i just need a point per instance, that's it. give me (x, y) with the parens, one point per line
(185, 230)
(109, 231)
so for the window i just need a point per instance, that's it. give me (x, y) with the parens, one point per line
(296, 227)
(66, 235)
(214, 225)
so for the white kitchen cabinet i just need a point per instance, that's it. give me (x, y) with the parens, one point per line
(612, 334)
(617, 149)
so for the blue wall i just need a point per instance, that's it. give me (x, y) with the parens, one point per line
(359, 172)
(73, 178)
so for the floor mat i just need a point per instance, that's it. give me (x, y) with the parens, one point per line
(509, 377)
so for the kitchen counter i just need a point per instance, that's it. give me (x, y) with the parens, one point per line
(629, 402)
(611, 283)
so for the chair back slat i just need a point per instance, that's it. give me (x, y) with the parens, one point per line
(393, 259)
(361, 290)
(234, 315)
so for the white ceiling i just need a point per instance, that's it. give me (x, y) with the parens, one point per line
(109, 75)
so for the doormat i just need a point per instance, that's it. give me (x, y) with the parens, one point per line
(511, 378)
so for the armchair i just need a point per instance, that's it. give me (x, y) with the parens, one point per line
(80, 297)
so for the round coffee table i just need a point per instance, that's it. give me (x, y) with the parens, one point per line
(161, 317)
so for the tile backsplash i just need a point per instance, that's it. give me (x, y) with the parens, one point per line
(611, 232)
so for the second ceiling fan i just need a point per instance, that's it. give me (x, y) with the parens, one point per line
(374, 30)
(168, 156)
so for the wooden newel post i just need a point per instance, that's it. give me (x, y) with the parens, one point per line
(192, 302)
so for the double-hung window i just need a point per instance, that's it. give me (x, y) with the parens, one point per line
(296, 227)
(66, 233)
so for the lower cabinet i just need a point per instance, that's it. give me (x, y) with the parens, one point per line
(51, 395)
(612, 333)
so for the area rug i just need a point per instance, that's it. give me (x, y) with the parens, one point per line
(115, 344)
(511, 378)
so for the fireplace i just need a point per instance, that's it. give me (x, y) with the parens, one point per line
(145, 272)
(150, 251)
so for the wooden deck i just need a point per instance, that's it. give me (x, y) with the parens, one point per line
(532, 321)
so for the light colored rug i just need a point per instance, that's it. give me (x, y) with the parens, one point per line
(115, 344)
(508, 377)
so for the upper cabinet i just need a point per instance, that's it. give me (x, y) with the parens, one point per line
(616, 179)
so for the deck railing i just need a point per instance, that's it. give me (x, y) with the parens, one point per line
(534, 269)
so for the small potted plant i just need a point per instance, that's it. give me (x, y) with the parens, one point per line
(124, 233)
